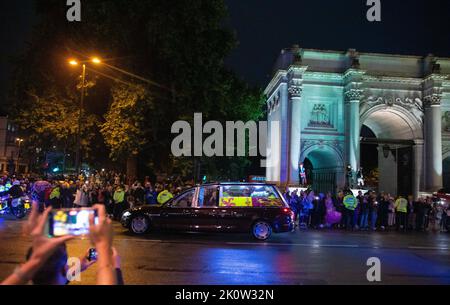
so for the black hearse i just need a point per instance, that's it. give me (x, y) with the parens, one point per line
(257, 208)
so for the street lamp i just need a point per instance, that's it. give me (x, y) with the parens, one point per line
(18, 140)
(74, 62)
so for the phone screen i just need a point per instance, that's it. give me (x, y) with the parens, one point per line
(92, 256)
(70, 222)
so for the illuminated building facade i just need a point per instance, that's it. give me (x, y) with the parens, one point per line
(10, 161)
(327, 101)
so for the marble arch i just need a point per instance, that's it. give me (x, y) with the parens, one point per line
(322, 99)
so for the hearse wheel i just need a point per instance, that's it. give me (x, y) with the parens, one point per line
(261, 230)
(140, 224)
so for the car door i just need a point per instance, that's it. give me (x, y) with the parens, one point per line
(204, 217)
(235, 211)
(241, 204)
(176, 214)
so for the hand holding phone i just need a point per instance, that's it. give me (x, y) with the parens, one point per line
(92, 255)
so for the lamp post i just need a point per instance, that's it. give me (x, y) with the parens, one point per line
(74, 62)
(18, 140)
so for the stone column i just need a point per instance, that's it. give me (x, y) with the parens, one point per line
(418, 167)
(284, 134)
(295, 75)
(433, 142)
(352, 100)
(295, 92)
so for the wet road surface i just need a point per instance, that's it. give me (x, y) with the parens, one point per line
(302, 257)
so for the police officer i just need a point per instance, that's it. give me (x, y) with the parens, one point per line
(350, 204)
(401, 209)
(164, 196)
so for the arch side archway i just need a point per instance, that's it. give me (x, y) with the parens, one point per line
(328, 166)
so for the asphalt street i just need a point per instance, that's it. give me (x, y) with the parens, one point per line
(301, 257)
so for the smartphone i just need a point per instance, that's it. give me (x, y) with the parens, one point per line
(75, 222)
(92, 254)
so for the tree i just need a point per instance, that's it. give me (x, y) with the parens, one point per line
(179, 45)
(50, 121)
(124, 128)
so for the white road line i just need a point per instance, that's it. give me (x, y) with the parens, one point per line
(278, 244)
(293, 244)
(239, 243)
(140, 240)
(428, 248)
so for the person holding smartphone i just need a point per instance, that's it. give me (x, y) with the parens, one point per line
(47, 257)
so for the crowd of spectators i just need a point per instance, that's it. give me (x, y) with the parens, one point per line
(369, 211)
(113, 190)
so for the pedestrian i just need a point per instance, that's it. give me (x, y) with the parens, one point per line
(411, 222)
(164, 195)
(401, 212)
(307, 204)
(82, 195)
(319, 211)
(373, 209)
(419, 209)
(332, 216)
(150, 194)
(350, 204)
(55, 196)
(108, 195)
(427, 212)
(293, 204)
(119, 201)
(364, 212)
(287, 195)
(138, 193)
(391, 213)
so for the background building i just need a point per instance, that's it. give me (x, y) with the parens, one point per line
(391, 112)
(10, 160)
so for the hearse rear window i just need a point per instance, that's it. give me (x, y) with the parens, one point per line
(249, 196)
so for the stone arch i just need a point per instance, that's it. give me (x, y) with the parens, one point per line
(328, 164)
(399, 125)
(396, 118)
(323, 156)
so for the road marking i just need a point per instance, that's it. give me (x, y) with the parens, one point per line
(428, 248)
(293, 244)
(215, 243)
(237, 243)
(141, 240)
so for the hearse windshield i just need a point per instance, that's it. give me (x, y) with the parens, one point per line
(249, 196)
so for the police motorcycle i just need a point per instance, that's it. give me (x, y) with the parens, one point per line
(17, 206)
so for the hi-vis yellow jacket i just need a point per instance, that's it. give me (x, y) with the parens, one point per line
(401, 205)
(164, 196)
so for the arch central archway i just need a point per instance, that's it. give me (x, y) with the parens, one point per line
(392, 123)
(394, 131)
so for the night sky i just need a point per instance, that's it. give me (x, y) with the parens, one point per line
(264, 27)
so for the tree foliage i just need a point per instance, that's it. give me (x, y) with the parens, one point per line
(124, 126)
(52, 121)
(180, 45)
